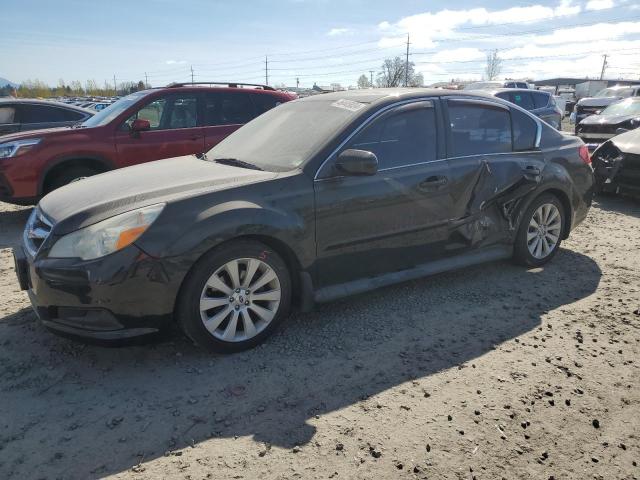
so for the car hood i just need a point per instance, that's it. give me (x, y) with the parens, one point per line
(32, 134)
(597, 101)
(628, 142)
(96, 198)
(607, 119)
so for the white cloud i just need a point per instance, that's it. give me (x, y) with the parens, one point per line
(425, 29)
(335, 32)
(175, 62)
(600, 31)
(599, 4)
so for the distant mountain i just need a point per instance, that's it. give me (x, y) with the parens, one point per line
(4, 82)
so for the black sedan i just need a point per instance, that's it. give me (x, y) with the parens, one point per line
(19, 115)
(316, 199)
(613, 120)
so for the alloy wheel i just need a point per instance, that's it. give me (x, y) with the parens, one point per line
(544, 230)
(240, 299)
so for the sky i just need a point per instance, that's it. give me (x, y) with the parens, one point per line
(316, 41)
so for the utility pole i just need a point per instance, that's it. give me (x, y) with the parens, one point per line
(266, 70)
(115, 85)
(406, 66)
(191, 74)
(604, 66)
(371, 76)
(297, 82)
(146, 80)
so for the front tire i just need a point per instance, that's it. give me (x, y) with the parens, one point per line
(235, 297)
(540, 232)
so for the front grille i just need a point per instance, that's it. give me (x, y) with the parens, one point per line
(36, 231)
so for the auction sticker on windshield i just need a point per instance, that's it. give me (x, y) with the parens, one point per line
(348, 105)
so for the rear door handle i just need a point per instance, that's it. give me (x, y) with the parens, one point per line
(532, 170)
(433, 182)
(194, 138)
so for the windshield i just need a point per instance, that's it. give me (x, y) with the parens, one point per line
(288, 135)
(626, 107)
(107, 114)
(615, 92)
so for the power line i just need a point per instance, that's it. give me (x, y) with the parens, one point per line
(239, 64)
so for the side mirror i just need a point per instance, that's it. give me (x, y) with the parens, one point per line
(621, 130)
(140, 125)
(357, 162)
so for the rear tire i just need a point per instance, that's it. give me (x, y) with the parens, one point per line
(541, 231)
(248, 289)
(65, 177)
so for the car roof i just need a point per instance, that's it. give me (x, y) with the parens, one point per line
(378, 95)
(218, 87)
(520, 90)
(51, 103)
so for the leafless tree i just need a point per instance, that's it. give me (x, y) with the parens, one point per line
(363, 82)
(393, 72)
(494, 65)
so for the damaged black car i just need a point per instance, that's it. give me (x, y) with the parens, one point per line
(617, 164)
(317, 199)
(613, 120)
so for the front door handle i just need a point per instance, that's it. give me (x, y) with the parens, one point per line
(433, 182)
(194, 138)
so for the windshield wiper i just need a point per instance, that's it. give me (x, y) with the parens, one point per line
(236, 163)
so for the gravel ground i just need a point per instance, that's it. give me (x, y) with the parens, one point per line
(491, 372)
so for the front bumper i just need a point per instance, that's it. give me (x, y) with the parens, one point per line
(123, 295)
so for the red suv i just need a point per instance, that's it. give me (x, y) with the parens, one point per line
(181, 119)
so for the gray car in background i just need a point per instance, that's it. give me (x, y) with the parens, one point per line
(19, 115)
(541, 104)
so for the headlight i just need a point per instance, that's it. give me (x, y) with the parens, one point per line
(107, 236)
(17, 147)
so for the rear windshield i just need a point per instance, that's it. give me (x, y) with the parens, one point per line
(107, 114)
(285, 137)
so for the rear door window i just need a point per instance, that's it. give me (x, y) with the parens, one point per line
(478, 128)
(403, 138)
(40, 114)
(222, 108)
(7, 115)
(522, 99)
(72, 116)
(264, 102)
(540, 100)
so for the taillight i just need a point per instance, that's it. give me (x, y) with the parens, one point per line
(583, 151)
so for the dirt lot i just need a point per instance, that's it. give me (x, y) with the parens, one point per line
(490, 372)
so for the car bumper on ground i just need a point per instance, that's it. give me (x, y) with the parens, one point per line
(123, 295)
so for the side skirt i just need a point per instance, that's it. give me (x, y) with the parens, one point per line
(489, 254)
